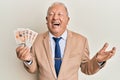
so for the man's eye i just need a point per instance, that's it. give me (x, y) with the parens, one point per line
(60, 14)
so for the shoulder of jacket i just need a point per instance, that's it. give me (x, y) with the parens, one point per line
(77, 35)
(42, 35)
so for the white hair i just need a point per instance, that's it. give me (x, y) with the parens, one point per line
(58, 3)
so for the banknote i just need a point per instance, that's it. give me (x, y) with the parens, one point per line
(25, 36)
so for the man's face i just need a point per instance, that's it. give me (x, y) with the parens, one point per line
(57, 20)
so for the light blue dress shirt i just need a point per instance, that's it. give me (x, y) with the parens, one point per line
(62, 44)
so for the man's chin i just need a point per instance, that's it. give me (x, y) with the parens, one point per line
(56, 33)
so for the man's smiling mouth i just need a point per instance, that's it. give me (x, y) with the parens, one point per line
(56, 24)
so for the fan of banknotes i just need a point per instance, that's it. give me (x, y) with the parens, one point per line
(25, 37)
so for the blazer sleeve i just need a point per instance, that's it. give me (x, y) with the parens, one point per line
(88, 66)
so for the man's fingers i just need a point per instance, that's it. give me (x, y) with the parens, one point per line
(111, 53)
(114, 49)
(22, 51)
(25, 53)
(105, 55)
(104, 47)
(18, 49)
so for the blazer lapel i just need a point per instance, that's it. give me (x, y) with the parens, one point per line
(49, 52)
(68, 49)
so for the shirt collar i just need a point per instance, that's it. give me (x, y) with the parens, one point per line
(64, 35)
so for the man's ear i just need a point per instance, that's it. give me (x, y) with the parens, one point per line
(68, 18)
(46, 19)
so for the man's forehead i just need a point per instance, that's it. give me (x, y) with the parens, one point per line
(56, 7)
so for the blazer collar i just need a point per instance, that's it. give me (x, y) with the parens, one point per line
(46, 42)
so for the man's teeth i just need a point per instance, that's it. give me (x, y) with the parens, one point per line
(56, 24)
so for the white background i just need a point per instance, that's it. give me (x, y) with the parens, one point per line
(98, 20)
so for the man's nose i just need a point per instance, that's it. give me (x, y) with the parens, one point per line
(55, 16)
